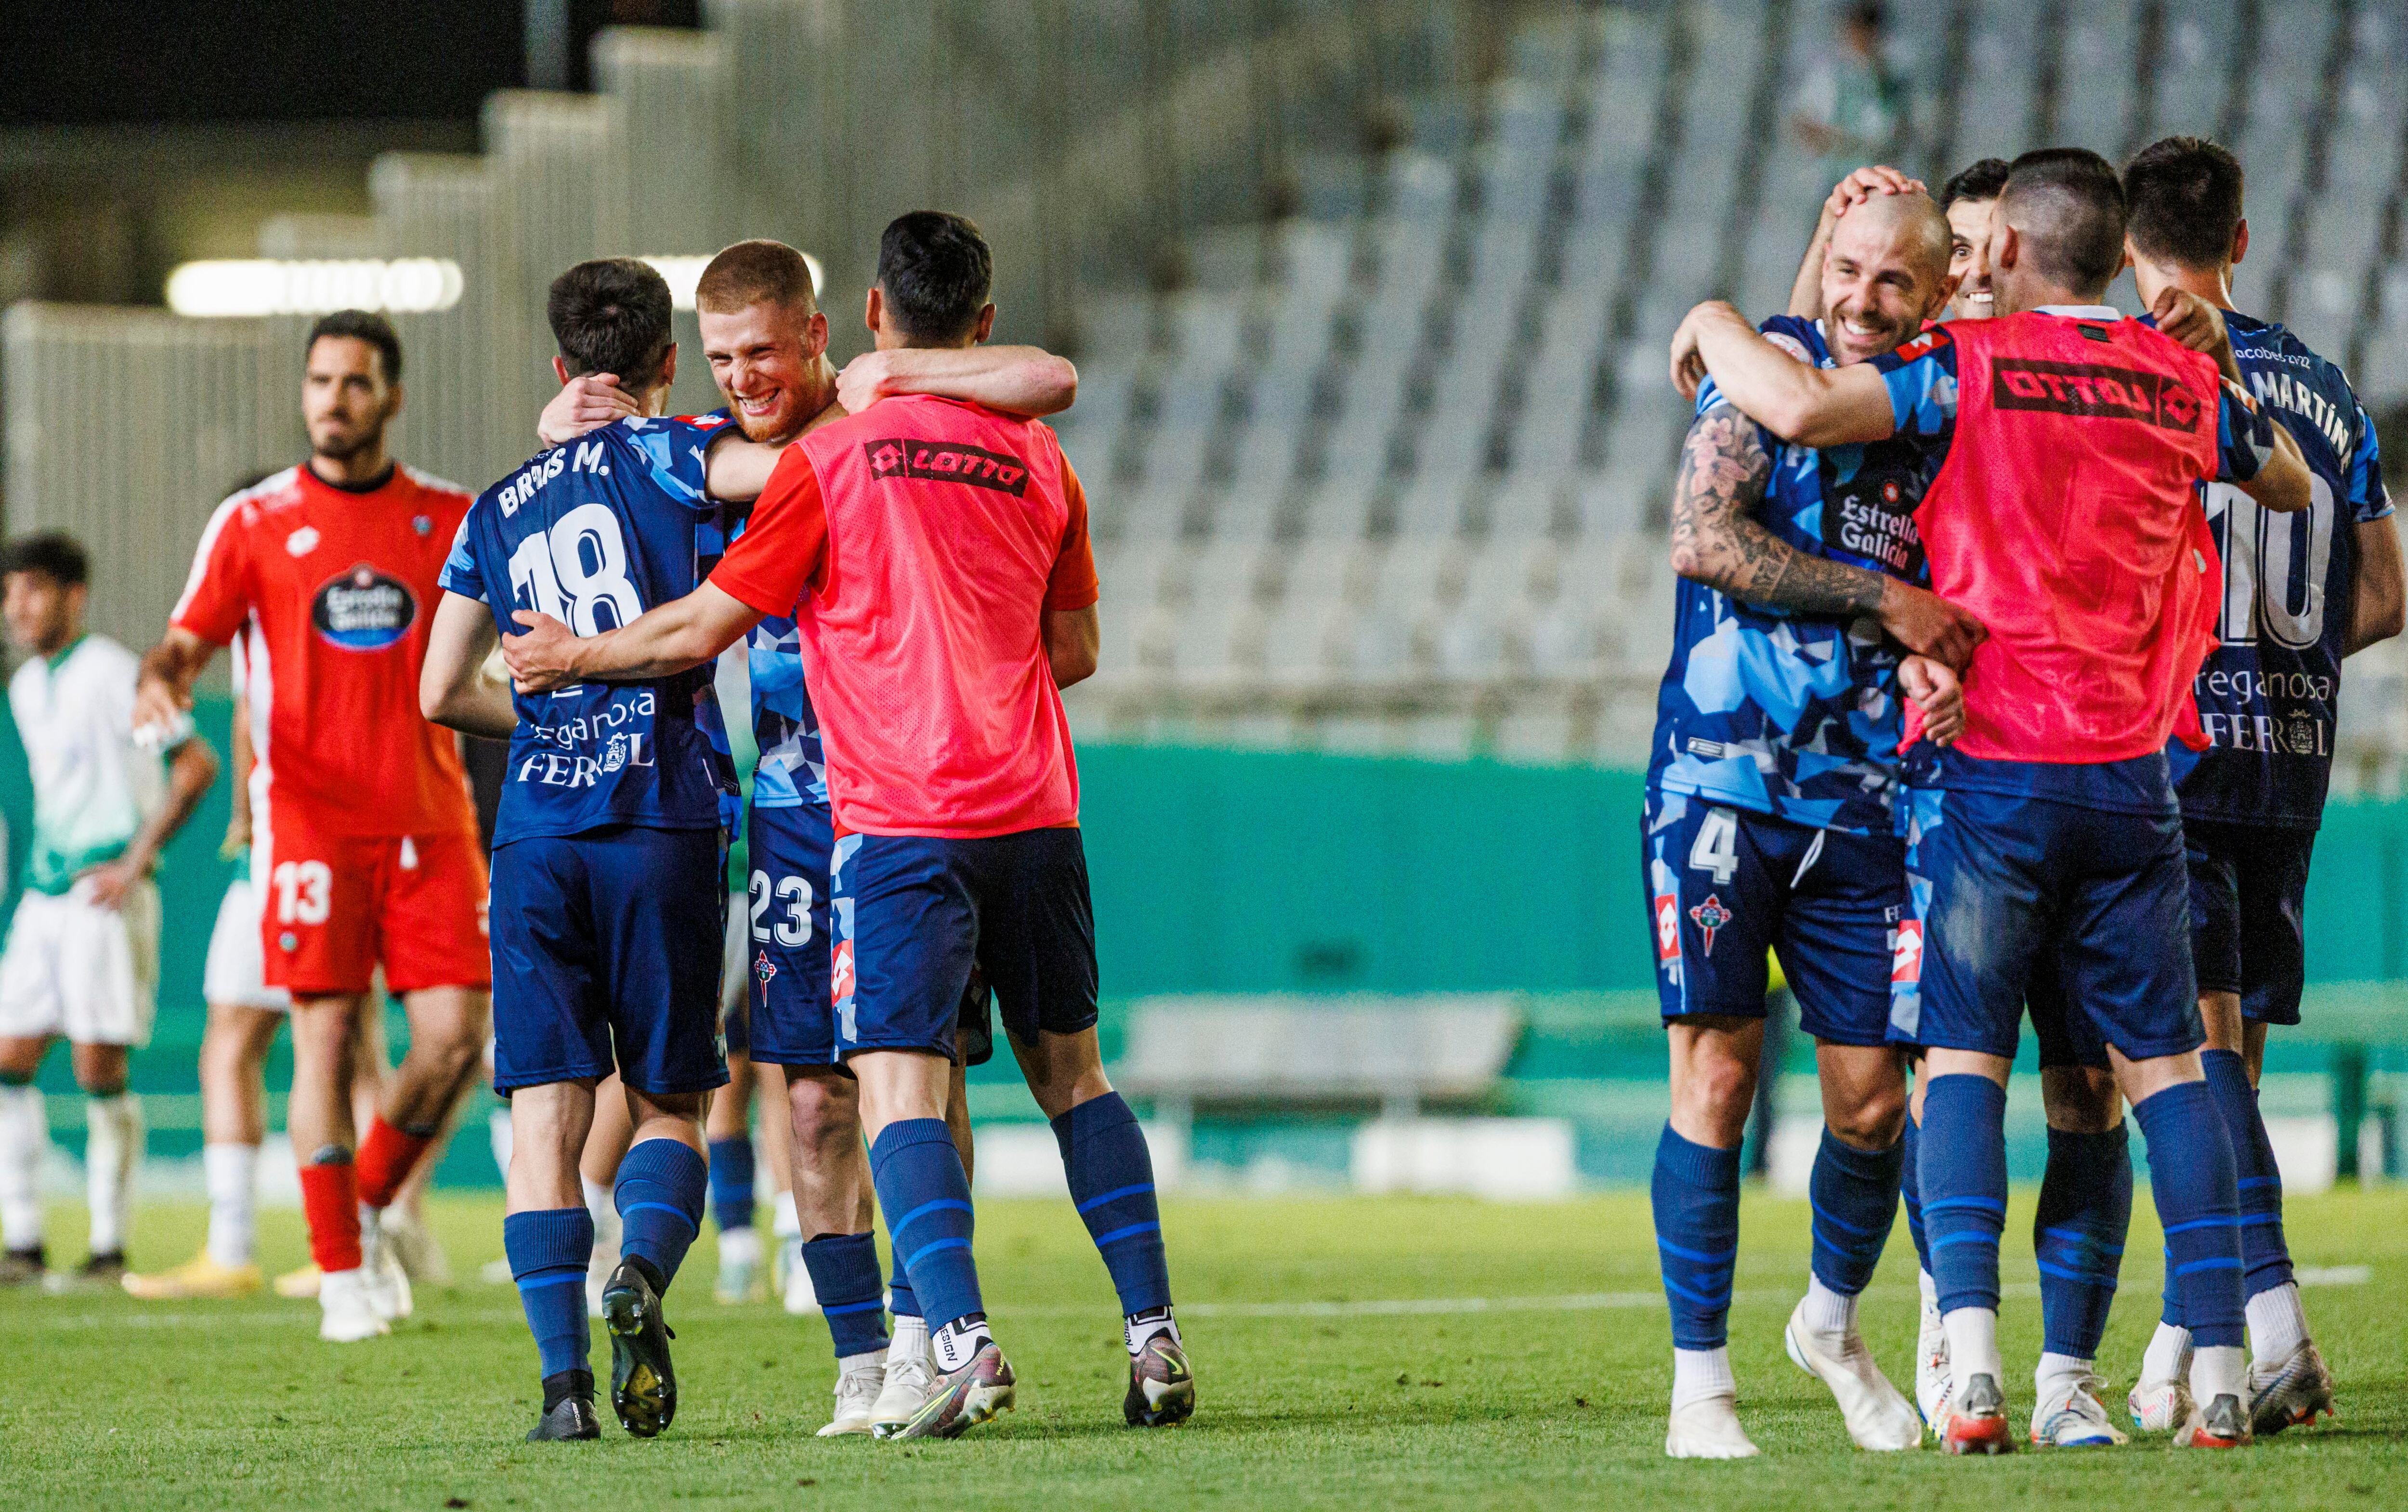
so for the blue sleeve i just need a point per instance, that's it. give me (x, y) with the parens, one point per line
(461, 574)
(2368, 498)
(676, 453)
(1921, 378)
(2244, 434)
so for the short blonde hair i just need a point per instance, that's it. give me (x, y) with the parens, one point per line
(756, 271)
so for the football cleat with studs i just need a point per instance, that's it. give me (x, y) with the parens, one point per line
(1162, 1385)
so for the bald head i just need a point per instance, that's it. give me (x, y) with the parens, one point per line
(1885, 274)
(2064, 209)
(1912, 224)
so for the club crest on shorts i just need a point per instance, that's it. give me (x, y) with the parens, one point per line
(763, 969)
(1709, 916)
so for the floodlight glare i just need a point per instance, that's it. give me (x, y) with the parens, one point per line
(278, 286)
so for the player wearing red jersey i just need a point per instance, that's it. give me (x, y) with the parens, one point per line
(367, 838)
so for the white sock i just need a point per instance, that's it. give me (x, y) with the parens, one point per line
(232, 1170)
(498, 1134)
(24, 1137)
(1828, 1312)
(739, 1247)
(954, 1344)
(371, 1235)
(2056, 1367)
(910, 1339)
(786, 1223)
(853, 1365)
(2168, 1348)
(2219, 1370)
(112, 1147)
(2277, 1323)
(1973, 1346)
(1700, 1374)
(1927, 1288)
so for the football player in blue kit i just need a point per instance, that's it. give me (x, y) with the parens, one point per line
(608, 847)
(2302, 592)
(1768, 824)
(766, 340)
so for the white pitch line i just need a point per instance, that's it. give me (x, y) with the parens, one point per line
(2311, 1276)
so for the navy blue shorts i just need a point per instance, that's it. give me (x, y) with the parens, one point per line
(1725, 885)
(607, 954)
(1998, 886)
(2067, 1033)
(2248, 886)
(791, 945)
(915, 917)
(786, 911)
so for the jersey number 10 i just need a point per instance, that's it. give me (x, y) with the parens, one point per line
(574, 569)
(2274, 566)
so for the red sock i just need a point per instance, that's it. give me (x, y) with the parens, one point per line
(387, 1156)
(330, 1199)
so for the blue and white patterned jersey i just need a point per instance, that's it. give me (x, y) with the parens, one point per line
(2268, 694)
(791, 771)
(594, 533)
(1792, 715)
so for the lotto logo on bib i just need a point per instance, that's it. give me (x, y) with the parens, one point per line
(946, 461)
(363, 610)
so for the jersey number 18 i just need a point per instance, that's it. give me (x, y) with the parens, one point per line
(571, 571)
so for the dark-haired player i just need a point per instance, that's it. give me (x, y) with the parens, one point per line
(2051, 829)
(2302, 592)
(366, 837)
(767, 339)
(934, 554)
(2085, 1198)
(609, 846)
(81, 961)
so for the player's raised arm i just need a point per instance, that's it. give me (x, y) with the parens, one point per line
(453, 688)
(1813, 407)
(1806, 289)
(1718, 541)
(1024, 381)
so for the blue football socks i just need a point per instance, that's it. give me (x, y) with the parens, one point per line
(2085, 1206)
(731, 1183)
(2264, 1258)
(2191, 1177)
(1111, 1181)
(1963, 1155)
(845, 1279)
(1854, 1194)
(1696, 1198)
(660, 1197)
(1910, 1187)
(926, 1199)
(549, 1250)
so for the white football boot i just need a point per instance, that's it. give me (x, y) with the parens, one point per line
(2070, 1416)
(911, 1374)
(859, 1389)
(1707, 1429)
(345, 1314)
(1877, 1416)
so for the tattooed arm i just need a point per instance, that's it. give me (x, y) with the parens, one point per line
(1718, 541)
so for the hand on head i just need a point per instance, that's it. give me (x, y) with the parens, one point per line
(1864, 184)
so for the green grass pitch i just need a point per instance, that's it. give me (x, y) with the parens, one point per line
(111, 1404)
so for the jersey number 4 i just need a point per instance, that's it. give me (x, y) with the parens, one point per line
(2274, 566)
(1715, 850)
(575, 569)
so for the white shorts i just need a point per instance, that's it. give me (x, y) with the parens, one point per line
(76, 969)
(233, 977)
